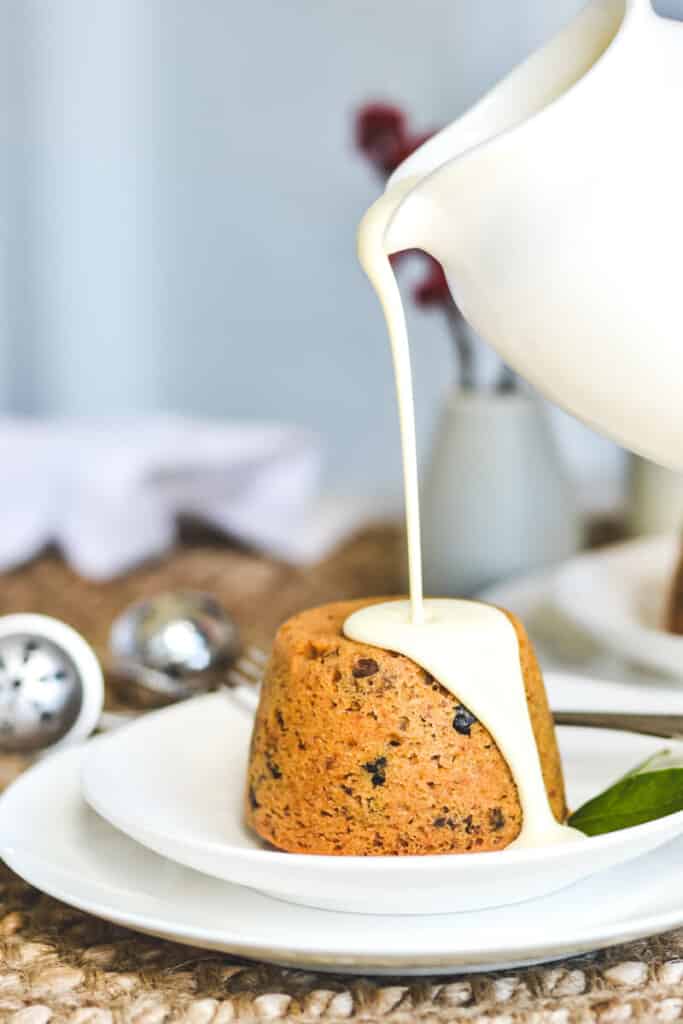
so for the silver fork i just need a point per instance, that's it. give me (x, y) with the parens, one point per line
(243, 680)
(245, 676)
(249, 667)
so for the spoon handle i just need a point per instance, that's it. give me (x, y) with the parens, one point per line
(666, 726)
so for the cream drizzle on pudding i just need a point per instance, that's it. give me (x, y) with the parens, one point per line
(470, 648)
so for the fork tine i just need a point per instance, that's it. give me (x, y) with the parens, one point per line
(252, 672)
(236, 678)
(256, 655)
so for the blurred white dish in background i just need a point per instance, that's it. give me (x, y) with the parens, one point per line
(174, 781)
(619, 594)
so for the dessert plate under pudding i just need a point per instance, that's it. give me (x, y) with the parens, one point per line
(618, 595)
(174, 781)
(51, 838)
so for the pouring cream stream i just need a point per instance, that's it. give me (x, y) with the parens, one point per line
(470, 648)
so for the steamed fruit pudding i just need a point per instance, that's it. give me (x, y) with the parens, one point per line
(357, 749)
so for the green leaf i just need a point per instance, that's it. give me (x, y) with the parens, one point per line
(652, 790)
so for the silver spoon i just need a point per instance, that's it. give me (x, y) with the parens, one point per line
(668, 727)
(174, 645)
(51, 687)
(170, 647)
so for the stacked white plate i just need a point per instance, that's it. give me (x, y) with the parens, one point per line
(605, 612)
(144, 827)
(619, 596)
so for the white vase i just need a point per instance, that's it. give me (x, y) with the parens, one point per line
(496, 500)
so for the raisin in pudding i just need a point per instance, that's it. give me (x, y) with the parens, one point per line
(359, 750)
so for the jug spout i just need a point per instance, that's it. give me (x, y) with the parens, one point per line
(412, 222)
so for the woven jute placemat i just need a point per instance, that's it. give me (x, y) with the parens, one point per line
(62, 966)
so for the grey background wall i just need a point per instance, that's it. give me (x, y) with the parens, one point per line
(181, 195)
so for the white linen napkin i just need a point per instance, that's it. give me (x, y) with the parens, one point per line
(109, 492)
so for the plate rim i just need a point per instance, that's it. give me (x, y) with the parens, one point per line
(29, 868)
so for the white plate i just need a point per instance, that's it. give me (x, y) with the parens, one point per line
(53, 840)
(174, 781)
(619, 596)
(607, 681)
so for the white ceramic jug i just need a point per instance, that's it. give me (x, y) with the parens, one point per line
(556, 208)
